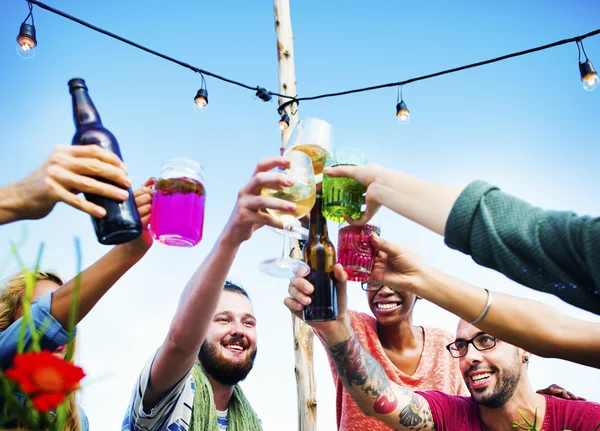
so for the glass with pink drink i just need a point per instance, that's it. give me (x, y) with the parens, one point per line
(177, 216)
(355, 251)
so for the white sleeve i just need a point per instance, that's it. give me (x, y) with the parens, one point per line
(173, 411)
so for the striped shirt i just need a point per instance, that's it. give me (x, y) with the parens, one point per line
(172, 413)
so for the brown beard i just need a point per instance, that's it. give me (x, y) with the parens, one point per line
(221, 369)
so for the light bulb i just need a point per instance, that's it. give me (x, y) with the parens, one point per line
(26, 42)
(590, 82)
(402, 113)
(201, 100)
(589, 76)
(284, 122)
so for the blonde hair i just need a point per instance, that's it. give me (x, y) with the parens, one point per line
(11, 294)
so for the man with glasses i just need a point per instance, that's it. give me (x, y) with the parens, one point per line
(494, 372)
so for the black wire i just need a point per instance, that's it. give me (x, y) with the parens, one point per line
(294, 99)
(583, 49)
(30, 14)
(151, 51)
(445, 72)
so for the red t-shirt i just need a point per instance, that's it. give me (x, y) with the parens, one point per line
(437, 371)
(453, 413)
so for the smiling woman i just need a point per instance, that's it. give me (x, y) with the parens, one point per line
(413, 356)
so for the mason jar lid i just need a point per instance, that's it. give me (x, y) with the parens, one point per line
(182, 167)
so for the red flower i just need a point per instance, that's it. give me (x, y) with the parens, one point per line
(47, 378)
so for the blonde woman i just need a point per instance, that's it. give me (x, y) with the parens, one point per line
(52, 299)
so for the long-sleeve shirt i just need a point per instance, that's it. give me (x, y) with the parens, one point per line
(556, 252)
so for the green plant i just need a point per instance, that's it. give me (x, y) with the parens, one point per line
(34, 390)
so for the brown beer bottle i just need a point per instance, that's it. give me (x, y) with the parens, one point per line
(319, 254)
(122, 222)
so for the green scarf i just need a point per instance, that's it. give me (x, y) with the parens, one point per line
(240, 415)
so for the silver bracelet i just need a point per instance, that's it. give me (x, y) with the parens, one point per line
(485, 310)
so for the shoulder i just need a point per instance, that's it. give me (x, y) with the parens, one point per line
(174, 407)
(575, 414)
(441, 399)
(361, 321)
(448, 411)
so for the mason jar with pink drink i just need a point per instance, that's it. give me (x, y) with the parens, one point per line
(177, 216)
(355, 251)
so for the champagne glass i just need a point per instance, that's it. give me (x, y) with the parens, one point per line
(303, 194)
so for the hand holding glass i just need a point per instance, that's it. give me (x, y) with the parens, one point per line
(303, 194)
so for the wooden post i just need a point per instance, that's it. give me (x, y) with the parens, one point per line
(303, 335)
(285, 61)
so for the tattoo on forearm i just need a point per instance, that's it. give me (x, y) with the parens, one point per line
(417, 415)
(356, 367)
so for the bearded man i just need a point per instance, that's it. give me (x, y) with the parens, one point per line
(190, 383)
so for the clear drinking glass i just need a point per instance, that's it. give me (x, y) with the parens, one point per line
(303, 194)
(177, 216)
(343, 196)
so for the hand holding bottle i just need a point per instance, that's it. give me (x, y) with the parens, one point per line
(143, 200)
(68, 171)
(301, 292)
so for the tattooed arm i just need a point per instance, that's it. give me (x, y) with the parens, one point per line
(361, 374)
(371, 388)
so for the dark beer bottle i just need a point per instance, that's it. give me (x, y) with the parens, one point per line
(319, 254)
(122, 221)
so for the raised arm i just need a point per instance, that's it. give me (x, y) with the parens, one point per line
(364, 378)
(179, 350)
(550, 251)
(426, 203)
(533, 326)
(68, 171)
(96, 280)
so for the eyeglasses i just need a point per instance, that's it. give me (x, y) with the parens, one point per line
(370, 286)
(481, 342)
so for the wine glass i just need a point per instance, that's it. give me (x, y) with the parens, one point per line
(303, 194)
(315, 138)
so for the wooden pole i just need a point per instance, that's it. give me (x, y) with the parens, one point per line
(303, 335)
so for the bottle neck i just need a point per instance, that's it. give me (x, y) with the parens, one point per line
(318, 223)
(84, 111)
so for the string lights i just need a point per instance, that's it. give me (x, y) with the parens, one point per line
(27, 43)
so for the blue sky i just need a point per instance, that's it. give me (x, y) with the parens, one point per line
(525, 124)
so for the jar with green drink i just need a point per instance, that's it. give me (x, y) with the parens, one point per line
(343, 196)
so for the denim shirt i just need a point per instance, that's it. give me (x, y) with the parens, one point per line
(54, 336)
